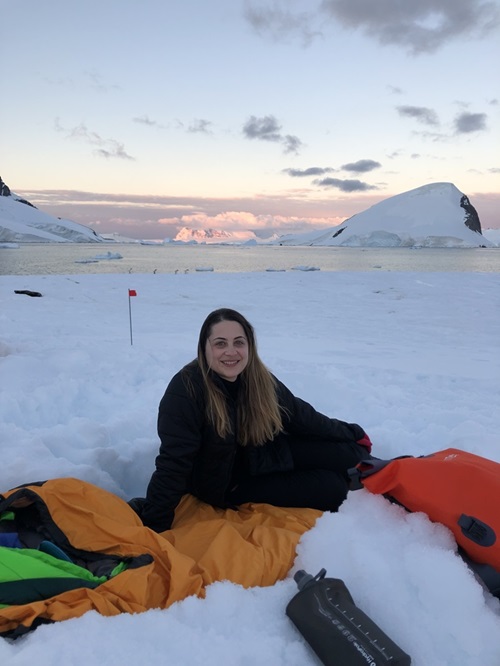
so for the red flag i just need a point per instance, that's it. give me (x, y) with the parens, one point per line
(132, 292)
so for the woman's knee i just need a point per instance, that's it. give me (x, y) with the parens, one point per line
(329, 491)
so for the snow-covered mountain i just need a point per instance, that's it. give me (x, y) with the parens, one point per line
(20, 221)
(187, 235)
(435, 215)
(492, 235)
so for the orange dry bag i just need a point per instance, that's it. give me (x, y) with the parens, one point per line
(453, 487)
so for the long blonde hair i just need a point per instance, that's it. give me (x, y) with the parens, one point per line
(259, 415)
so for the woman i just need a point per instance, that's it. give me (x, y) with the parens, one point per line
(232, 433)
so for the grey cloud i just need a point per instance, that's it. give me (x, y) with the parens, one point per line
(200, 126)
(435, 137)
(145, 201)
(470, 122)
(345, 185)
(292, 144)
(113, 149)
(98, 84)
(268, 128)
(418, 27)
(108, 148)
(421, 113)
(145, 120)
(276, 19)
(494, 170)
(311, 171)
(361, 166)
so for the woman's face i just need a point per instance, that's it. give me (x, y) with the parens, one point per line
(226, 349)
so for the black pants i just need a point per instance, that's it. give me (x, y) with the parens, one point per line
(318, 481)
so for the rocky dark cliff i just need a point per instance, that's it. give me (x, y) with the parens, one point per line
(4, 189)
(471, 216)
(5, 192)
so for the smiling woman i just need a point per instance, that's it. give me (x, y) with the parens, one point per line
(227, 350)
(232, 433)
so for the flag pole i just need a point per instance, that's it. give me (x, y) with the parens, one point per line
(131, 292)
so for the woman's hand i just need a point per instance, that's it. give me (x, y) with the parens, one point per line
(366, 442)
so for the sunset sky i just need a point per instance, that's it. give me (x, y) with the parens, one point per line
(142, 118)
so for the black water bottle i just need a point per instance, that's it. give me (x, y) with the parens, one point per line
(336, 629)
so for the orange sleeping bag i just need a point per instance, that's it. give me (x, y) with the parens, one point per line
(252, 546)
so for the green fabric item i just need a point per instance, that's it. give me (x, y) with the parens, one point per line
(118, 569)
(28, 575)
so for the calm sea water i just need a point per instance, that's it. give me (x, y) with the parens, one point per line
(75, 258)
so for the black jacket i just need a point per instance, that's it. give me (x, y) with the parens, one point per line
(193, 458)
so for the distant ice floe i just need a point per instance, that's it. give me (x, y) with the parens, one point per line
(275, 270)
(99, 257)
(305, 268)
(11, 246)
(108, 255)
(204, 269)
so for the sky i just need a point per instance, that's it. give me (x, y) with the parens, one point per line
(412, 357)
(268, 115)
